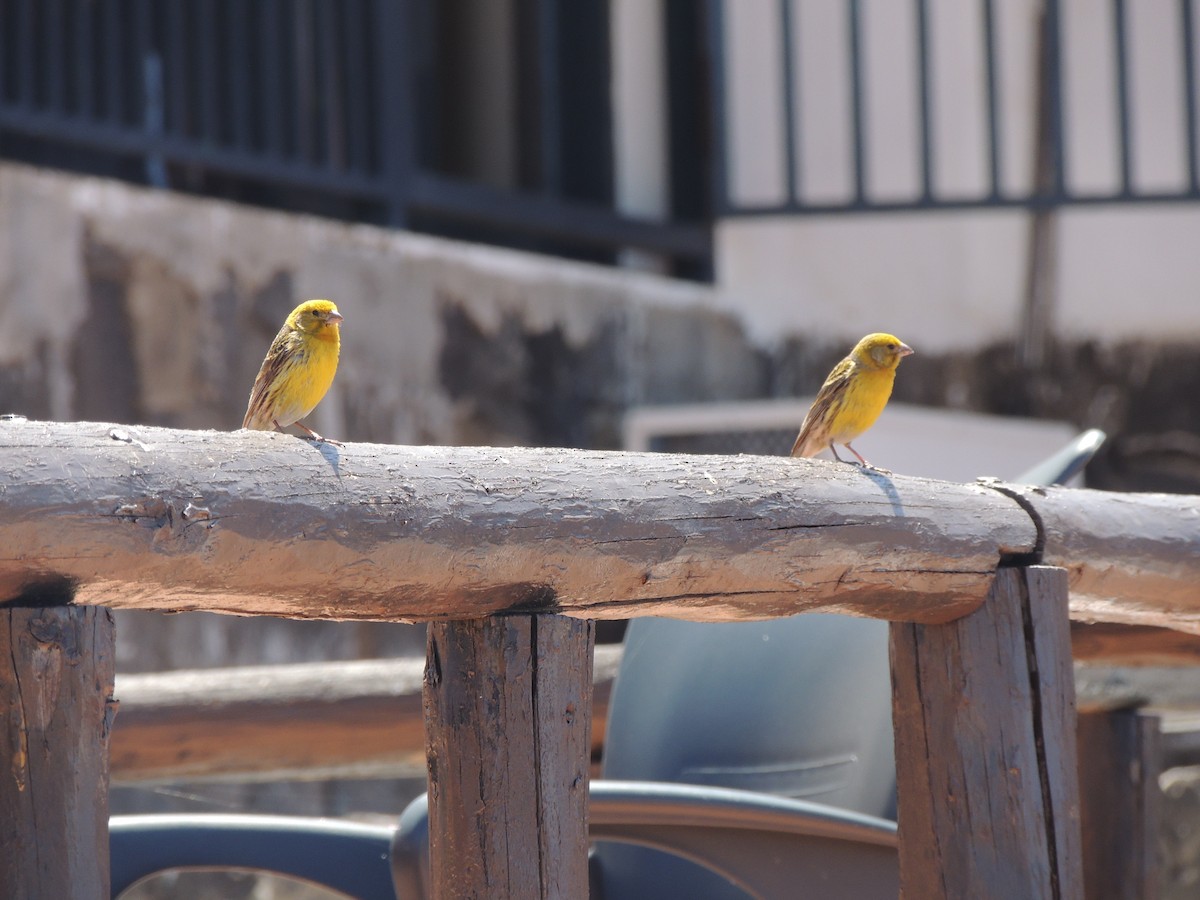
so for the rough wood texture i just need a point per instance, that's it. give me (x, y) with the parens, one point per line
(985, 748)
(258, 523)
(345, 719)
(56, 689)
(507, 717)
(1119, 765)
(1133, 645)
(1132, 558)
(363, 719)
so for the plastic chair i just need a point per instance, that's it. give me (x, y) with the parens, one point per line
(341, 856)
(770, 846)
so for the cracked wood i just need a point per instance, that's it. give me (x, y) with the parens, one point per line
(984, 712)
(267, 524)
(507, 716)
(56, 693)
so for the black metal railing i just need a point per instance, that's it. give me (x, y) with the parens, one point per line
(312, 105)
(1056, 157)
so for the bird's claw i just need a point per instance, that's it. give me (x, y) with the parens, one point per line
(318, 439)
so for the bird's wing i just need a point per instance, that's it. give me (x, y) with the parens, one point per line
(258, 411)
(814, 433)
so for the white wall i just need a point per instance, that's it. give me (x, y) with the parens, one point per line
(953, 279)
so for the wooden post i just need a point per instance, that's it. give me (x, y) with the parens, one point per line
(56, 692)
(1119, 764)
(984, 711)
(507, 717)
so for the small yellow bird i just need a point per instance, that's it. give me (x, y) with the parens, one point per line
(298, 370)
(852, 397)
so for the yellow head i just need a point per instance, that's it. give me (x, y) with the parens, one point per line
(880, 351)
(318, 318)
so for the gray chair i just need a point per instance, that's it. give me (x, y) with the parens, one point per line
(342, 856)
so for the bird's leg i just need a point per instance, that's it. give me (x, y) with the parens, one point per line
(833, 450)
(312, 435)
(865, 464)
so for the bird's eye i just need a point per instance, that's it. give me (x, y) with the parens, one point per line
(891, 346)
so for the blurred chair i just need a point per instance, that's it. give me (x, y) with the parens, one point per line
(341, 856)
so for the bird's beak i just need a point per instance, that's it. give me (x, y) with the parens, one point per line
(905, 350)
(335, 318)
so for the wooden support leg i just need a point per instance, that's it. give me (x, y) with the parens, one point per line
(56, 694)
(984, 711)
(1119, 763)
(508, 721)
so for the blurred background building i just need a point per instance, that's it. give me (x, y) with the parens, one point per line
(540, 215)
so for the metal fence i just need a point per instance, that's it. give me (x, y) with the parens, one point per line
(329, 106)
(1086, 119)
(302, 104)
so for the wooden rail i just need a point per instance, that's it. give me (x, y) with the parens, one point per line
(343, 719)
(364, 719)
(493, 545)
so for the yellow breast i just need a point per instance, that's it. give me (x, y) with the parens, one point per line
(866, 395)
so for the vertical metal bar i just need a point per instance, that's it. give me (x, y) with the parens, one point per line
(1055, 103)
(302, 76)
(397, 127)
(176, 70)
(271, 82)
(152, 93)
(7, 37)
(208, 71)
(331, 83)
(237, 27)
(1187, 28)
(787, 49)
(85, 60)
(357, 93)
(858, 112)
(992, 94)
(53, 38)
(26, 44)
(923, 100)
(114, 57)
(549, 112)
(1121, 50)
(714, 26)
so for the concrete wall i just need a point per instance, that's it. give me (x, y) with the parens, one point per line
(129, 305)
(143, 306)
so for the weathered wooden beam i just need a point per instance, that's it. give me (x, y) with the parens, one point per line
(256, 523)
(985, 748)
(1131, 558)
(56, 693)
(1179, 741)
(1120, 760)
(1133, 645)
(339, 719)
(507, 714)
(363, 718)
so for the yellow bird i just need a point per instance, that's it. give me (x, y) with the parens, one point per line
(852, 397)
(298, 370)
